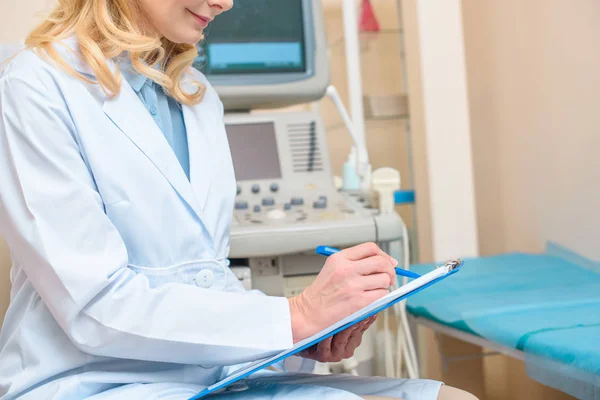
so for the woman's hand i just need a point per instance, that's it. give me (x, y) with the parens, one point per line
(349, 281)
(339, 346)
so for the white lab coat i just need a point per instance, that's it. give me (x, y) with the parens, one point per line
(120, 271)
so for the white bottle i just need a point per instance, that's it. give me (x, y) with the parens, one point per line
(350, 177)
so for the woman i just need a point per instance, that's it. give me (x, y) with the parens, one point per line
(117, 191)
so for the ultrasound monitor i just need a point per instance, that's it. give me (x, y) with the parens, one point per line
(254, 151)
(267, 54)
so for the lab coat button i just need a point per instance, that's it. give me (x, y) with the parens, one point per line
(205, 278)
(153, 110)
(237, 387)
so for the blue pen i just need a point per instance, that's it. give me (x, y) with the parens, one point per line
(328, 251)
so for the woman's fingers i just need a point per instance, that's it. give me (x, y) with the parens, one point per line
(353, 342)
(345, 343)
(376, 265)
(370, 296)
(365, 250)
(311, 353)
(370, 321)
(324, 350)
(365, 324)
(349, 280)
(354, 339)
(340, 341)
(375, 281)
(341, 345)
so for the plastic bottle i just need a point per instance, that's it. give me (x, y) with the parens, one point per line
(350, 177)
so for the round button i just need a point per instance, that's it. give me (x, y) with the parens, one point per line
(153, 110)
(205, 278)
(276, 214)
(274, 187)
(255, 189)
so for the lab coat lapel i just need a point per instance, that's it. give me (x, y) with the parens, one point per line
(130, 116)
(200, 141)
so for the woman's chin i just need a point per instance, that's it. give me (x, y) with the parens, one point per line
(191, 36)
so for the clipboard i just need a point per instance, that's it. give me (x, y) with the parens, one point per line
(376, 307)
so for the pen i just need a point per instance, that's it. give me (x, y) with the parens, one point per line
(328, 251)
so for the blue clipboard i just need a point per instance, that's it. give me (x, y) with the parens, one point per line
(376, 307)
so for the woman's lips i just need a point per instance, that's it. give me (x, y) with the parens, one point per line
(204, 21)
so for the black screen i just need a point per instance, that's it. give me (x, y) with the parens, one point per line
(256, 36)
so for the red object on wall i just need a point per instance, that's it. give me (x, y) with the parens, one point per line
(368, 20)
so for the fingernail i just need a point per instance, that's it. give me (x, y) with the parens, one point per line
(395, 261)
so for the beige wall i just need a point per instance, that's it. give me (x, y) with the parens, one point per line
(16, 19)
(535, 95)
(534, 88)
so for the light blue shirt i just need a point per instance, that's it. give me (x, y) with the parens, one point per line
(165, 111)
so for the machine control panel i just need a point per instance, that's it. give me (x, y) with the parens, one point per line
(271, 212)
(286, 198)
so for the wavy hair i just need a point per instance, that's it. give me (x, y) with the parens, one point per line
(106, 29)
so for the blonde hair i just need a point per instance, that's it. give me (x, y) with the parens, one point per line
(106, 29)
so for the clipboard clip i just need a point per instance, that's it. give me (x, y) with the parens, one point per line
(453, 264)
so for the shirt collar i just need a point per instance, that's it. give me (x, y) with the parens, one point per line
(134, 78)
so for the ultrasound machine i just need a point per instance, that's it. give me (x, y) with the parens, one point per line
(268, 55)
